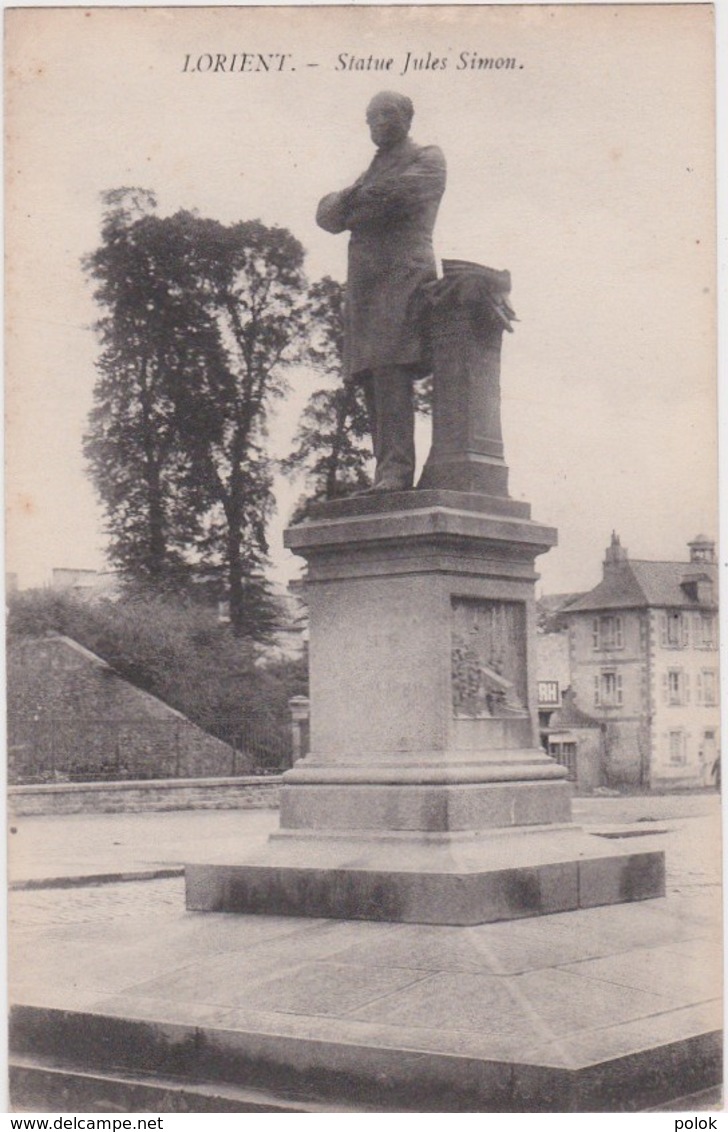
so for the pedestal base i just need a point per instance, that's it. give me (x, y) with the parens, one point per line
(471, 806)
(435, 879)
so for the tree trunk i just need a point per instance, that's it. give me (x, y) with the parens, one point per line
(235, 580)
(157, 543)
(234, 515)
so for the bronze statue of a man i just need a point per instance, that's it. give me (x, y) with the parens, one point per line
(390, 211)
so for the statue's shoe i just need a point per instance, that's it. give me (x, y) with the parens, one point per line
(390, 485)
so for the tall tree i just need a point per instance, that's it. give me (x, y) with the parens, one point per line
(156, 336)
(331, 444)
(200, 320)
(252, 278)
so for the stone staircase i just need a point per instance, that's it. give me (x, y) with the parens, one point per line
(68, 1061)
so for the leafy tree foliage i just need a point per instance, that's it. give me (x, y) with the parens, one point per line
(175, 649)
(252, 277)
(156, 337)
(331, 444)
(200, 320)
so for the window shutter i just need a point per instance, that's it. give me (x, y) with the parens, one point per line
(595, 633)
(618, 689)
(665, 688)
(699, 688)
(618, 637)
(663, 629)
(597, 697)
(686, 688)
(684, 629)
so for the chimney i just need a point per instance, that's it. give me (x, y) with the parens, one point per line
(615, 556)
(702, 549)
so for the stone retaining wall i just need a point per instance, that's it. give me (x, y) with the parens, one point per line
(143, 796)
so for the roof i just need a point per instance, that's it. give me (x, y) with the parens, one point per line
(551, 607)
(569, 715)
(554, 603)
(637, 584)
(619, 590)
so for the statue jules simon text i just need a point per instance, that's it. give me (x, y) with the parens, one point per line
(390, 211)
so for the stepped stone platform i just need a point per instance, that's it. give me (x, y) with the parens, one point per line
(430, 879)
(606, 1009)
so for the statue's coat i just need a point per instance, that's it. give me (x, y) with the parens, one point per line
(390, 211)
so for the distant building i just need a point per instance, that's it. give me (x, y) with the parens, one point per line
(553, 669)
(89, 585)
(643, 659)
(571, 736)
(577, 741)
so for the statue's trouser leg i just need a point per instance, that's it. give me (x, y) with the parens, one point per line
(389, 397)
(367, 384)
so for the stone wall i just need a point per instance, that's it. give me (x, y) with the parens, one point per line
(552, 658)
(70, 715)
(142, 797)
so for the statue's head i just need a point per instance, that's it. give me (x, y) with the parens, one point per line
(389, 116)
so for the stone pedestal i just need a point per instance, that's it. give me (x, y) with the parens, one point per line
(470, 312)
(421, 668)
(426, 797)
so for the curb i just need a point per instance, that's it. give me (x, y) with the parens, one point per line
(92, 879)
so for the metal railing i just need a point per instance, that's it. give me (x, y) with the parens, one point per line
(78, 749)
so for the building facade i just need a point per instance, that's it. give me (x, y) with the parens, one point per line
(643, 656)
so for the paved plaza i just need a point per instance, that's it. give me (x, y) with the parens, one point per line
(560, 992)
(88, 845)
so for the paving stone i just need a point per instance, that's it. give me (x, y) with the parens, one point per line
(426, 948)
(97, 904)
(129, 1005)
(567, 1002)
(590, 1046)
(682, 977)
(330, 988)
(481, 1003)
(255, 980)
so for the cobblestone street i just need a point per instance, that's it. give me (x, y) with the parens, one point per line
(96, 903)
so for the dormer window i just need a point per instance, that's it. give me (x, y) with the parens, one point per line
(699, 589)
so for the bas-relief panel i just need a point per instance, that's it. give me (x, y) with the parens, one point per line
(489, 679)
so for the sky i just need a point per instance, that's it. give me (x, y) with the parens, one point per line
(586, 170)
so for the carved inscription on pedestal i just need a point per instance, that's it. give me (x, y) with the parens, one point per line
(489, 679)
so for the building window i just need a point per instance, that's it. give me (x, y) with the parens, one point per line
(708, 687)
(676, 749)
(674, 630)
(607, 633)
(676, 686)
(705, 634)
(608, 688)
(565, 754)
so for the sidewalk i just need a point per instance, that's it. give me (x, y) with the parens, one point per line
(81, 846)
